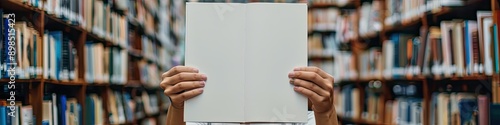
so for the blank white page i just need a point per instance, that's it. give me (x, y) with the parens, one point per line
(276, 43)
(215, 42)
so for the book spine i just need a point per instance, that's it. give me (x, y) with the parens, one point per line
(2, 47)
(72, 57)
(3, 115)
(65, 59)
(495, 44)
(467, 42)
(62, 110)
(5, 57)
(34, 56)
(483, 105)
(475, 51)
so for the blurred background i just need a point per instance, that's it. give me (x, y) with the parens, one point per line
(407, 62)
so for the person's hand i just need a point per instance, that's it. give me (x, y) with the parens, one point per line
(316, 85)
(182, 83)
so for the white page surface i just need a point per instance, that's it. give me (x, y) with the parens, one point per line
(276, 43)
(247, 51)
(216, 46)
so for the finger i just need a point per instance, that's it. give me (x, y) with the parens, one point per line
(185, 77)
(186, 95)
(316, 70)
(184, 86)
(309, 85)
(315, 98)
(164, 84)
(309, 76)
(178, 69)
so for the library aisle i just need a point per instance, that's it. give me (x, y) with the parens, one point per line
(98, 62)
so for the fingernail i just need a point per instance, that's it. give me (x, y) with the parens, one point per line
(201, 90)
(195, 69)
(203, 76)
(202, 83)
(291, 74)
(295, 88)
(291, 81)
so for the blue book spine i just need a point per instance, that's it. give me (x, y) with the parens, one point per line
(495, 42)
(467, 109)
(494, 113)
(467, 46)
(62, 110)
(395, 40)
(5, 44)
(1, 43)
(3, 115)
(80, 119)
(89, 116)
(57, 45)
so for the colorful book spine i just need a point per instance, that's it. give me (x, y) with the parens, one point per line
(495, 44)
(3, 115)
(62, 110)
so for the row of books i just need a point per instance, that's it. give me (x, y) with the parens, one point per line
(323, 45)
(373, 101)
(105, 65)
(120, 108)
(347, 26)
(347, 102)
(446, 108)
(26, 54)
(56, 58)
(456, 48)
(110, 20)
(59, 57)
(322, 19)
(60, 109)
(17, 114)
(93, 15)
(402, 11)
(344, 67)
(459, 108)
(370, 21)
(149, 74)
(94, 110)
(125, 108)
(404, 111)
(143, 13)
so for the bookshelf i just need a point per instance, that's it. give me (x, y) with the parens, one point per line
(352, 45)
(424, 16)
(35, 90)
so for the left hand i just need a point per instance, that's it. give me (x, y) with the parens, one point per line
(315, 84)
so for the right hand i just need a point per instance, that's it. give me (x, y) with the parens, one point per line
(181, 83)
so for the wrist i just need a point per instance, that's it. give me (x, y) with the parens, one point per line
(325, 114)
(177, 106)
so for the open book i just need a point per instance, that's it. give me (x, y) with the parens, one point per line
(246, 51)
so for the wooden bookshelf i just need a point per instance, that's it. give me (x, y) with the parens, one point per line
(44, 21)
(412, 25)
